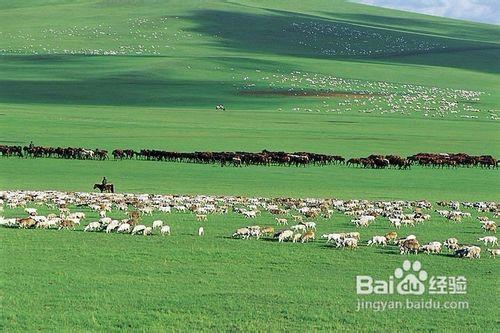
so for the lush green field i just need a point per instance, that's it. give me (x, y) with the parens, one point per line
(61, 280)
(148, 74)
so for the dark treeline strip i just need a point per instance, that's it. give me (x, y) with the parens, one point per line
(265, 157)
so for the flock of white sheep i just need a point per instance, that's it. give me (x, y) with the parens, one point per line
(341, 95)
(339, 39)
(305, 215)
(136, 36)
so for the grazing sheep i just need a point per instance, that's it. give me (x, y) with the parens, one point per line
(267, 231)
(361, 223)
(309, 225)
(352, 235)
(39, 218)
(451, 244)
(296, 237)
(123, 228)
(250, 214)
(451, 241)
(379, 240)
(201, 231)
(311, 214)
(66, 224)
(26, 223)
(308, 236)
(396, 223)
(157, 224)
(298, 227)
(286, 234)
(138, 229)
(391, 236)
(332, 237)
(8, 222)
(112, 226)
(165, 230)
(31, 211)
(432, 247)
(409, 245)
(147, 231)
(242, 232)
(474, 252)
(489, 226)
(281, 221)
(164, 209)
(297, 218)
(489, 239)
(409, 237)
(349, 242)
(93, 226)
(105, 220)
(46, 224)
(494, 252)
(255, 233)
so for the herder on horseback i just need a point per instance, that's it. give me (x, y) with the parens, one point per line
(104, 186)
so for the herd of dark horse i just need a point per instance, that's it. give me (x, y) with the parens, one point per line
(265, 157)
(238, 158)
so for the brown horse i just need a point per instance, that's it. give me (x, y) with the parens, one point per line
(107, 188)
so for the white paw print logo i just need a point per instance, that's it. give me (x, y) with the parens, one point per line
(412, 282)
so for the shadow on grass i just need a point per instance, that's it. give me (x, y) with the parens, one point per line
(287, 33)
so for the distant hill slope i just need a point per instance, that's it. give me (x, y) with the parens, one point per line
(194, 53)
(312, 28)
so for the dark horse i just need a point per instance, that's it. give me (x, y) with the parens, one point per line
(108, 188)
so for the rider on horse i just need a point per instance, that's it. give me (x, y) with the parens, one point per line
(104, 180)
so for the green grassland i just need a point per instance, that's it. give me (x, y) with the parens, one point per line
(61, 280)
(148, 74)
(211, 52)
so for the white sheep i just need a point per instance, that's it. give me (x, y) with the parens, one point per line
(351, 243)
(125, 227)
(31, 211)
(432, 247)
(332, 237)
(396, 223)
(138, 229)
(494, 252)
(201, 231)
(147, 231)
(298, 227)
(489, 239)
(250, 214)
(296, 237)
(112, 226)
(379, 240)
(165, 209)
(93, 226)
(309, 225)
(287, 234)
(157, 224)
(105, 220)
(165, 230)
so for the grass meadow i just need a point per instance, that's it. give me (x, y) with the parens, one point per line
(59, 280)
